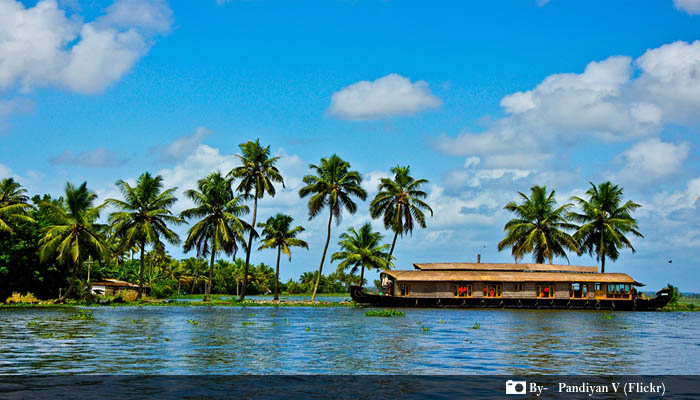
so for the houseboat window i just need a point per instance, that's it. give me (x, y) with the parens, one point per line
(493, 290)
(598, 287)
(463, 290)
(578, 291)
(545, 291)
(518, 287)
(405, 289)
(618, 290)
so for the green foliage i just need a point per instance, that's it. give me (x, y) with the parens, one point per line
(82, 315)
(385, 313)
(675, 295)
(605, 221)
(539, 227)
(400, 202)
(362, 249)
(476, 325)
(608, 316)
(193, 322)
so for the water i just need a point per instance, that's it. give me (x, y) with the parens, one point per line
(305, 340)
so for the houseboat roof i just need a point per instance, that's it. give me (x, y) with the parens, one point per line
(113, 282)
(503, 267)
(508, 276)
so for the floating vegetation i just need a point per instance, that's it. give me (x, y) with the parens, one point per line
(251, 315)
(245, 323)
(608, 316)
(166, 339)
(272, 314)
(424, 328)
(82, 315)
(193, 322)
(32, 323)
(476, 326)
(66, 336)
(47, 335)
(307, 329)
(385, 313)
(442, 322)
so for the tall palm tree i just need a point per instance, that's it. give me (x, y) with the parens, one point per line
(220, 228)
(333, 185)
(144, 216)
(604, 222)
(538, 227)
(73, 235)
(400, 201)
(257, 174)
(362, 249)
(13, 204)
(278, 233)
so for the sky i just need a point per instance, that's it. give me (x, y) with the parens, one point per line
(483, 98)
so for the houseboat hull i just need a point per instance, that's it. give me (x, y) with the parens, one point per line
(638, 304)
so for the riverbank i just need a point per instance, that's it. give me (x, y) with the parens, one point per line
(175, 303)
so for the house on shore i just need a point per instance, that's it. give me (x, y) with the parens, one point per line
(111, 286)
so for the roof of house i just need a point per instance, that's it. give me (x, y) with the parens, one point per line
(503, 267)
(507, 276)
(114, 282)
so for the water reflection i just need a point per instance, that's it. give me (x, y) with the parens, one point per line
(295, 340)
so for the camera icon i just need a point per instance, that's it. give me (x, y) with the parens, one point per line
(515, 387)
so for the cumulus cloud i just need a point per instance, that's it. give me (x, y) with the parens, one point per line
(385, 97)
(41, 46)
(652, 159)
(692, 7)
(182, 146)
(617, 99)
(99, 158)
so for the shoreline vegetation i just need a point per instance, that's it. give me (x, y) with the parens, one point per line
(54, 248)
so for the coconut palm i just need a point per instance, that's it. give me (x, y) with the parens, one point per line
(13, 205)
(257, 174)
(399, 200)
(538, 227)
(144, 217)
(333, 185)
(362, 249)
(605, 220)
(278, 233)
(73, 235)
(220, 228)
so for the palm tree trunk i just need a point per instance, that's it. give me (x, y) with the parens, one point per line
(207, 290)
(393, 243)
(72, 284)
(250, 244)
(277, 273)
(323, 257)
(143, 248)
(602, 263)
(362, 276)
(178, 287)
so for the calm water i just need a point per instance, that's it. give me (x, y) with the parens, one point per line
(295, 340)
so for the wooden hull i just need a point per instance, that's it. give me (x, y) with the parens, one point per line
(360, 296)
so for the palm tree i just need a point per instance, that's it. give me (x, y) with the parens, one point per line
(362, 249)
(219, 228)
(539, 227)
(604, 222)
(277, 233)
(257, 174)
(400, 201)
(332, 185)
(73, 235)
(13, 204)
(144, 216)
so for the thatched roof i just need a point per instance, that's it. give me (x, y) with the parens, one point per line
(507, 276)
(503, 267)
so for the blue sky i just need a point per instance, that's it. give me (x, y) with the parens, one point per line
(483, 98)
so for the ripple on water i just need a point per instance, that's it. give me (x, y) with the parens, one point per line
(297, 340)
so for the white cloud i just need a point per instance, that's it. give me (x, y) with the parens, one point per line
(182, 146)
(692, 7)
(652, 159)
(41, 46)
(5, 171)
(608, 101)
(99, 158)
(13, 106)
(385, 97)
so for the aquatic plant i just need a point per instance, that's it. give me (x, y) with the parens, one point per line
(385, 313)
(82, 315)
(193, 322)
(476, 326)
(424, 328)
(246, 323)
(32, 323)
(608, 316)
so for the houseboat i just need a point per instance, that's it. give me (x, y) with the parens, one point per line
(509, 286)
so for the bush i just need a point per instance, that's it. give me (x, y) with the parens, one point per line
(29, 298)
(17, 298)
(161, 290)
(126, 295)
